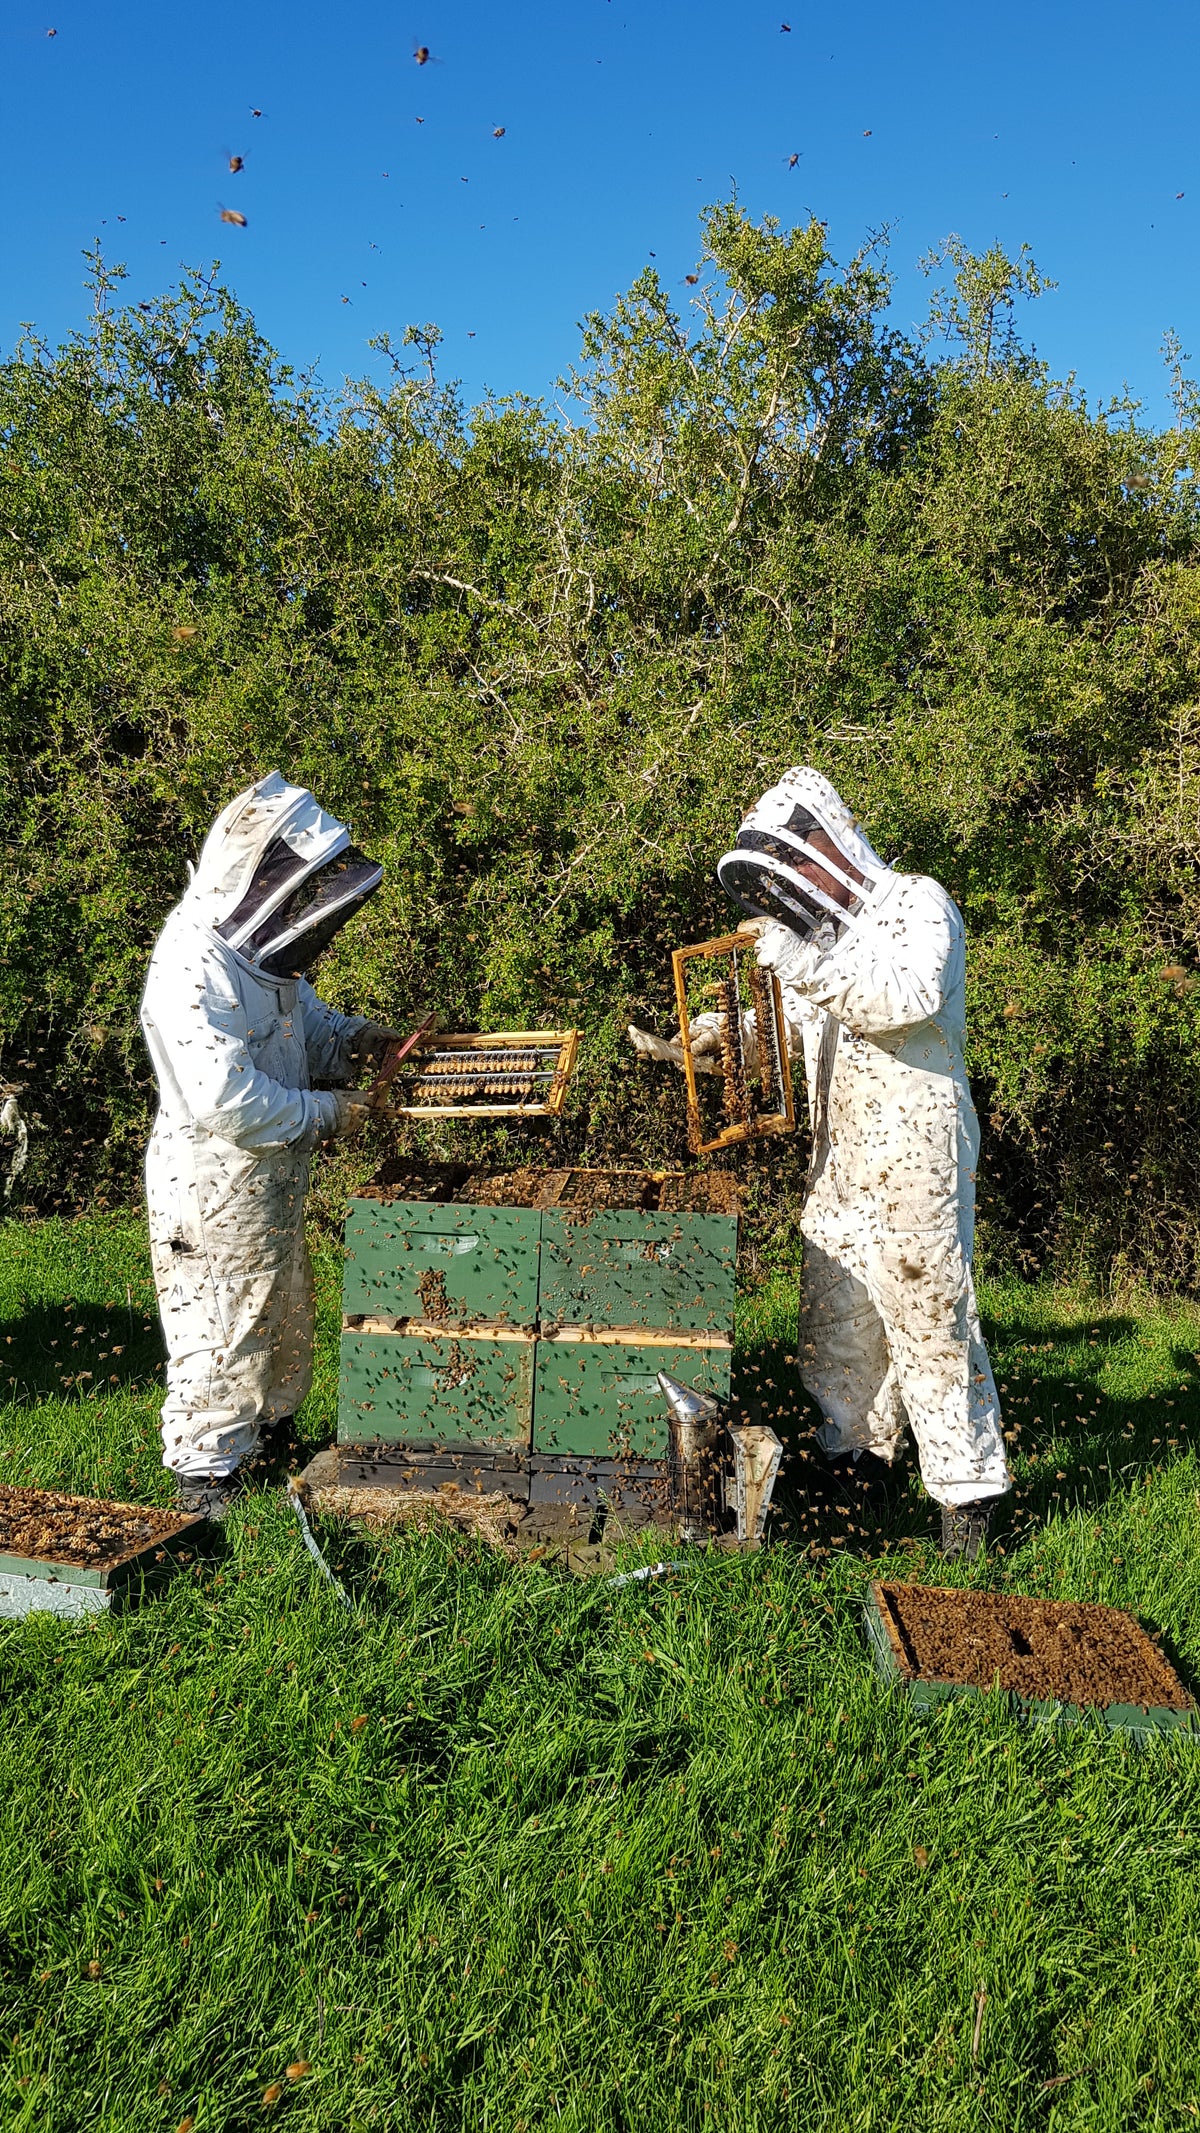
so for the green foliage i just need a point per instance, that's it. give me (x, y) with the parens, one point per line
(542, 660)
(596, 1860)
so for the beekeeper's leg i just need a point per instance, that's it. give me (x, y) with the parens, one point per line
(921, 1284)
(292, 1353)
(844, 1360)
(223, 1236)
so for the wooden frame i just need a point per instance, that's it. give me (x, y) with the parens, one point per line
(755, 1124)
(565, 1042)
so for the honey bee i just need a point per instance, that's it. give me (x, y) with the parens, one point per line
(498, 133)
(866, 133)
(255, 113)
(232, 214)
(792, 161)
(691, 279)
(236, 163)
(785, 29)
(422, 55)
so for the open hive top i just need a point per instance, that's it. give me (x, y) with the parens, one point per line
(700, 1192)
(1056, 1651)
(80, 1532)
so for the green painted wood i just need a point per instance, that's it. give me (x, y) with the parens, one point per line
(34, 1566)
(667, 1272)
(445, 1264)
(602, 1398)
(29, 1584)
(428, 1390)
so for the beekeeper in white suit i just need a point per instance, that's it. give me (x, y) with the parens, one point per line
(871, 967)
(237, 1036)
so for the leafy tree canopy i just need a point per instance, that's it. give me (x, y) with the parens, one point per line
(542, 659)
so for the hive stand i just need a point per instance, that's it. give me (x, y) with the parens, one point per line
(502, 1340)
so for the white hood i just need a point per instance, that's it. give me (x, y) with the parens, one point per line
(773, 842)
(271, 812)
(805, 787)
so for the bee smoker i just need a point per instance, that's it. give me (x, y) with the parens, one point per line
(724, 1469)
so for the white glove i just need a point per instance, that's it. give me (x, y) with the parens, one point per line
(648, 1046)
(351, 1114)
(705, 1036)
(791, 959)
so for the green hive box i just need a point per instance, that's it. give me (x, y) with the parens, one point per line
(535, 1328)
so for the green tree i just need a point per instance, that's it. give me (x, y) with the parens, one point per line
(542, 660)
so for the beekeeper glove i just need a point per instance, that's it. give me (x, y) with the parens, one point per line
(792, 960)
(353, 1109)
(372, 1040)
(705, 1036)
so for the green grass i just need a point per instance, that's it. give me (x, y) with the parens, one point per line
(591, 1860)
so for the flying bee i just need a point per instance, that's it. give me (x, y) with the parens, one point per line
(236, 163)
(423, 55)
(255, 113)
(232, 214)
(792, 161)
(691, 279)
(498, 133)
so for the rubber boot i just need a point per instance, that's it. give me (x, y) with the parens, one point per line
(965, 1528)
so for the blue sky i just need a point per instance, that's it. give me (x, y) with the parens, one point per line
(1069, 127)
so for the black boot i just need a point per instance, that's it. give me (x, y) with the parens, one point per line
(965, 1528)
(209, 1496)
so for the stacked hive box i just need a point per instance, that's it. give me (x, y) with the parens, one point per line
(533, 1333)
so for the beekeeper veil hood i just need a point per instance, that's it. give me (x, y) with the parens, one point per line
(278, 877)
(762, 872)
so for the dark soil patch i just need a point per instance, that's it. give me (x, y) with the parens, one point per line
(1057, 1650)
(81, 1531)
(699, 1192)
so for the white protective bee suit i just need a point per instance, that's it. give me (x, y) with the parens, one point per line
(889, 1327)
(235, 1047)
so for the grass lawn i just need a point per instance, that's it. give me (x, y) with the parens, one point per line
(505, 1851)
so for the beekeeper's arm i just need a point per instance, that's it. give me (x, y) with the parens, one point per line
(199, 1033)
(889, 973)
(341, 1047)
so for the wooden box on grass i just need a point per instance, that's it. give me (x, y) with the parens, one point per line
(535, 1326)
